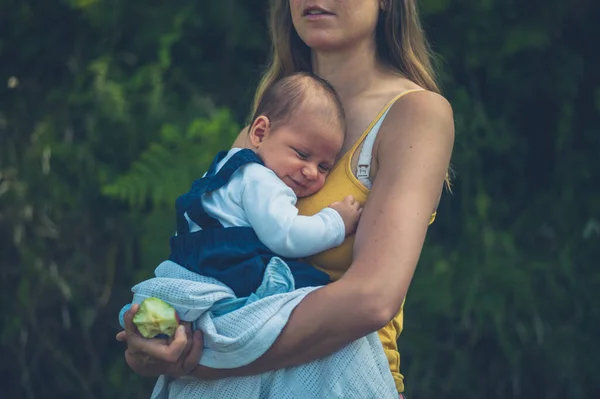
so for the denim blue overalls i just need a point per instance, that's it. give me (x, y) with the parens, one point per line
(233, 255)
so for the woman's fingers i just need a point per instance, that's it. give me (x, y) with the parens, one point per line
(155, 348)
(193, 358)
(160, 349)
(175, 356)
(121, 336)
(130, 327)
(180, 345)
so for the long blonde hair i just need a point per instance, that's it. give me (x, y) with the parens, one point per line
(400, 43)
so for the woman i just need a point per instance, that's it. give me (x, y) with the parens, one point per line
(397, 148)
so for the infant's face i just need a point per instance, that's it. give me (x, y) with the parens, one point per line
(303, 150)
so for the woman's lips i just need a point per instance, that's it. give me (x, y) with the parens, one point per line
(315, 12)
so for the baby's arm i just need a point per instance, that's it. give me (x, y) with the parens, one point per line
(270, 207)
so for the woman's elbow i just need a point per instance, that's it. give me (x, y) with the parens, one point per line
(379, 309)
(383, 316)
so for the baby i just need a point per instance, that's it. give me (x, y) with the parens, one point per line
(241, 213)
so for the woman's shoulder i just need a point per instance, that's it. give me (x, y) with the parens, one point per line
(404, 96)
(412, 95)
(413, 103)
(418, 116)
(418, 103)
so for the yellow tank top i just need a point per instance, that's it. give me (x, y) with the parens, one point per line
(340, 183)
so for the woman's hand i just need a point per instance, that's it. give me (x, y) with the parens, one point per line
(175, 357)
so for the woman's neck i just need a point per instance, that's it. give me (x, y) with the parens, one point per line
(349, 72)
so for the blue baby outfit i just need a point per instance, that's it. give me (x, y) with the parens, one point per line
(233, 255)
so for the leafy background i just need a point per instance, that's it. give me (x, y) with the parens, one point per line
(108, 109)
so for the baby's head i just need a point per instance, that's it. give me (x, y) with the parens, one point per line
(298, 130)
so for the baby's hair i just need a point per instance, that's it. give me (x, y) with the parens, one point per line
(286, 96)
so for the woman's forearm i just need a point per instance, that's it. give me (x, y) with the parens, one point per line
(312, 332)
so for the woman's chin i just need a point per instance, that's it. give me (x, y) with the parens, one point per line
(323, 42)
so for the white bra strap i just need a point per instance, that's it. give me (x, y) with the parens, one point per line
(363, 168)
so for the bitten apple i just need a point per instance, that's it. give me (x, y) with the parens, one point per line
(155, 317)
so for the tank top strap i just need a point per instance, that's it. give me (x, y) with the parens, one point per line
(375, 121)
(363, 168)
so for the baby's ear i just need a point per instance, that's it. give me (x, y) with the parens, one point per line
(259, 130)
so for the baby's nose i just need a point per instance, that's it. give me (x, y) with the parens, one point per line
(310, 172)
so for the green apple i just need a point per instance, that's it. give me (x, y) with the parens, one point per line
(155, 317)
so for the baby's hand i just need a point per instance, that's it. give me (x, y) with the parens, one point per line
(350, 210)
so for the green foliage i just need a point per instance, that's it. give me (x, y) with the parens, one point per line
(170, 164)
(111, 109)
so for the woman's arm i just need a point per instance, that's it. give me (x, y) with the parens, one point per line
(413, 156)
